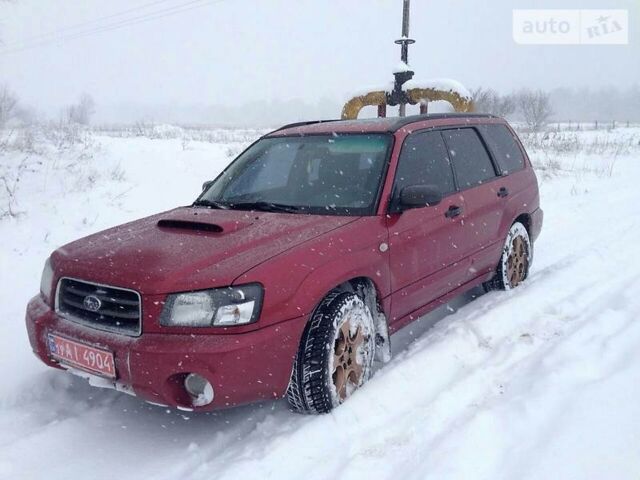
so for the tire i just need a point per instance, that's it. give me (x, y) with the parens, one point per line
(335, 356)
(515, 261)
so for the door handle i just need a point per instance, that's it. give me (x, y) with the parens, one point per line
(453, 211)
(503, 192)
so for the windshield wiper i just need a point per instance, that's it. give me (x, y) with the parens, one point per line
(211, 204)
(264, 207)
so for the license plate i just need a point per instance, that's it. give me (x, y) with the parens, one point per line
(82, 356)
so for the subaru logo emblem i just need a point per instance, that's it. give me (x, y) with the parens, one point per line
(92, 303)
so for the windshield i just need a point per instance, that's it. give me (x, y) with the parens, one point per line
(322, 174)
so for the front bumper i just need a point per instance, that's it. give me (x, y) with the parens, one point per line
(242, 368)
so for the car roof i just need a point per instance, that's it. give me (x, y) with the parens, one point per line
(373, 125)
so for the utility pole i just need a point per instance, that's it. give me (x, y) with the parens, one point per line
(403, 76)
(405, 40)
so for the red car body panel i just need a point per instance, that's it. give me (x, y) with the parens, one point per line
(321, 262)
(297, 258)
(151, 259)
(242, 367)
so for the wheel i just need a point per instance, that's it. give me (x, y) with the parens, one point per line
(335, 356)
(515, 261)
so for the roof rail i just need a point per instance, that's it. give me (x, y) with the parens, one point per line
(400, 122)
(392, 124)
(303, 124)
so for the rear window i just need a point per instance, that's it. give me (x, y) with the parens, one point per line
(470, 159)
(504, 147)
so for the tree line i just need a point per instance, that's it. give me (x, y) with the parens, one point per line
(536, 108)
(11, 109)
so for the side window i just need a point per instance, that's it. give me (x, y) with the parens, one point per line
(424, 161)
(504, 147)
(470, 159)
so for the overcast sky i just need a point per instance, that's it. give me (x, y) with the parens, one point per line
(234, 51)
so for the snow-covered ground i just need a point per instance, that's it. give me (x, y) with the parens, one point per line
(541, 382)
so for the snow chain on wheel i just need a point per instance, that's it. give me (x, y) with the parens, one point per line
(515, 261)
(335, 355)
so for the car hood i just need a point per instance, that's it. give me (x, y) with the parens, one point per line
(187, 248)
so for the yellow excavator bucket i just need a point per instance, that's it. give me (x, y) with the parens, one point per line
(415, 96)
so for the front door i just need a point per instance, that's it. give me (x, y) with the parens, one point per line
(425, 243)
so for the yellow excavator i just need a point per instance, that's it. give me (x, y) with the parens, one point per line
(406, 91)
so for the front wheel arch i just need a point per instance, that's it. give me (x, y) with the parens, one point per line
(367, 289)
(317, 384)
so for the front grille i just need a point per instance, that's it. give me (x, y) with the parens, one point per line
(99, 306)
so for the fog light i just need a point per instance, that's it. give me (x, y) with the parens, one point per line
(199, 388)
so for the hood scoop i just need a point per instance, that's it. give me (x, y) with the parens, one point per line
(190, 225)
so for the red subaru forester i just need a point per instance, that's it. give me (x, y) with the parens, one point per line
(287, 274)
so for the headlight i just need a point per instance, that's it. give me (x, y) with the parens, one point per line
(220, 307)
(46, 280)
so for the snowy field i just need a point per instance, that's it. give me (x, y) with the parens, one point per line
(537, 383)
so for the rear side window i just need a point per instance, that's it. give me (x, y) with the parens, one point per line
(471, 161)
(504, 147)
(424, 161)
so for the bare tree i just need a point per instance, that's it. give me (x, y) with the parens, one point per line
(535, 107)
(82, 111)
(8, 105)
(487, 100)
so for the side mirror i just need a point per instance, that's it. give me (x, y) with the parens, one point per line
(417, 196)
(206, 185)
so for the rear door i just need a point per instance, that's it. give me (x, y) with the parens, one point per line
(424, 242)
(479, 186)
(515, 186)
